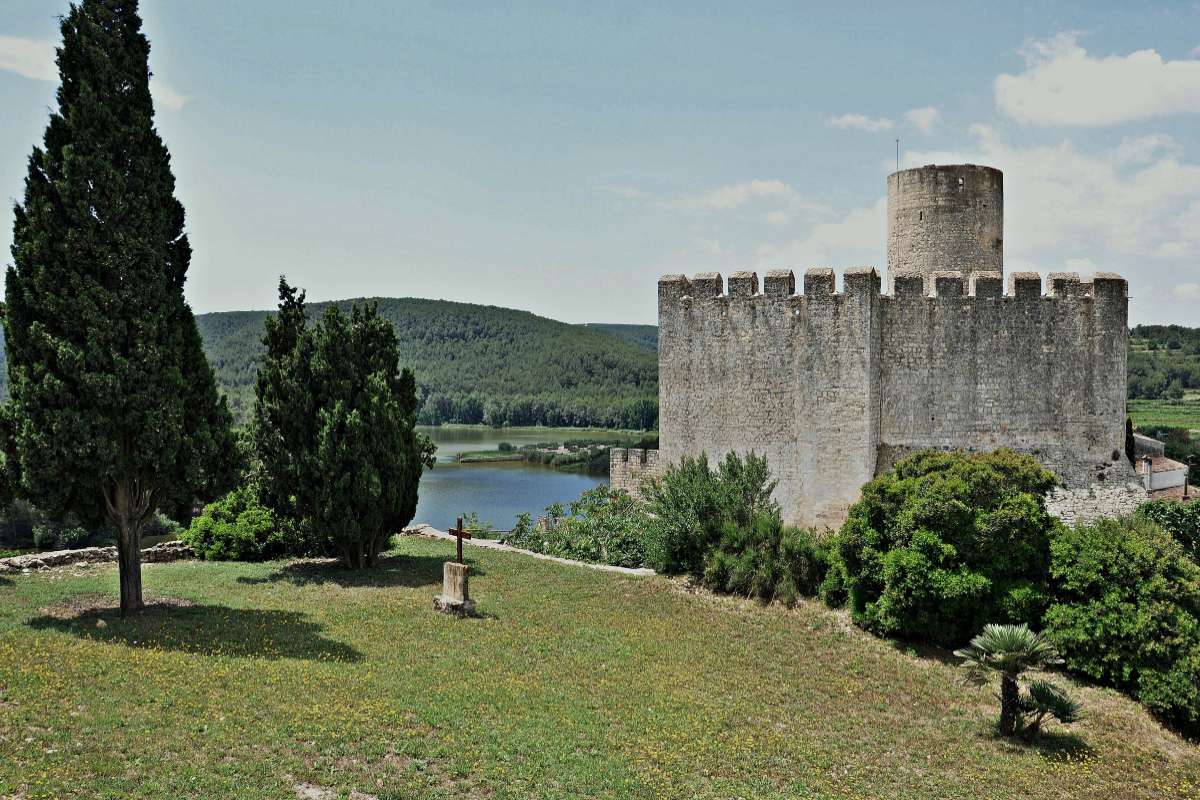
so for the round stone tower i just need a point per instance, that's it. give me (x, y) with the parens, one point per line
(943, 218)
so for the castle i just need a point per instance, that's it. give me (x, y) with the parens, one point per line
(835, 387)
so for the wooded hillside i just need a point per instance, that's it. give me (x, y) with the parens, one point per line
(479, 364)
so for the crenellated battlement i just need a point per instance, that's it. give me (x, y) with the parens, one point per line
(834, 386)
(821, 282)
(834, 383)
(633, 455)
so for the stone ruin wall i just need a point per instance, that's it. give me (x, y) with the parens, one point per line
(833, 387)
(628, 468)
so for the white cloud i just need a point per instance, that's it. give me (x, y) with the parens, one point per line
(711, 247)
(1144, 149)
(29, 58)
(861, 122)
(734, 195)
(34, 59)
(625, 192)
(923, 119)
(779, 218)
(1187, 291)
(855, 240)
(165, 96)
(1063, 85)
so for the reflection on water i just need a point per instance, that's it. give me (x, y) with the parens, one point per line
(497, 491)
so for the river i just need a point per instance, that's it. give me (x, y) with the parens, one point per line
(497, 491)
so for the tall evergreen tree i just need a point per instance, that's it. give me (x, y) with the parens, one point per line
(335, 427)
(114, 410)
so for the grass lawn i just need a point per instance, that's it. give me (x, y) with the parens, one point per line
(575, 683)
(1170, 413)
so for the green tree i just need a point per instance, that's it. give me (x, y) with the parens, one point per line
(944, 543)
(335, 426)
(284, 411)
(113, 411)
(1010, 650)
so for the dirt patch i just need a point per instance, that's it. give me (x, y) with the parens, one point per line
(97, 605)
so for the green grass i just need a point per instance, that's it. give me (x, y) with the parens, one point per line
(1171, 413)
(575, 683)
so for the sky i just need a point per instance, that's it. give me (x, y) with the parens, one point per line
(559, 157)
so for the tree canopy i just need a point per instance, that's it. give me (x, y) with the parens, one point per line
(114, 410)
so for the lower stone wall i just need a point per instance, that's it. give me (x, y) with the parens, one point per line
(1081, 506)
(628, 468)
(158, 554)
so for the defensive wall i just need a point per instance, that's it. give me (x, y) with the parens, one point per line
(834, 386)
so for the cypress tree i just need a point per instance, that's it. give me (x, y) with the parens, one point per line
(335, 424)
(114, 412)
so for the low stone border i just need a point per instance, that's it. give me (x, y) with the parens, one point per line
(159, 553)
(431, 532)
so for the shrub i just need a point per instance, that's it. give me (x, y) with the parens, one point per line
(237, 527)
(690, 506)
(947, 542)
(767, 560)
(1181, 520)
(1126, 613)
(604, 526)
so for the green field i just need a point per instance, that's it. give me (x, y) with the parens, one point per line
(574, 683)
(1172, 413)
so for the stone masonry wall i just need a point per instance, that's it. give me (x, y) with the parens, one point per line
(946, 218)
(628, 468)
(1081, 506)
(834, 387)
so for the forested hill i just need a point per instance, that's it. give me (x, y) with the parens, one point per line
(478, 364)
(1164, 362)
(644, 336)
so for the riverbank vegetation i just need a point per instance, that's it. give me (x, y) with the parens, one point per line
(574, 455)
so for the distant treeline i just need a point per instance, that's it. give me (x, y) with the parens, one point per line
(480, 364)
(1164, 362)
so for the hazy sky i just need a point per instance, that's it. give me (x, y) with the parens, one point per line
(559, 157)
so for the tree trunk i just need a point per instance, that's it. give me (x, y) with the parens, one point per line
(129, 505)
(129, 551)
(1009, 700)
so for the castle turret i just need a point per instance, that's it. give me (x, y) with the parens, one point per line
(946, 218)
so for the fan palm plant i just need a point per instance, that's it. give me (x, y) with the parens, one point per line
(1011, 650)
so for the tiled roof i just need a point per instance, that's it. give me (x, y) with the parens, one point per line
(1159, 464)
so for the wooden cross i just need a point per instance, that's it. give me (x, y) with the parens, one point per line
(460, 533)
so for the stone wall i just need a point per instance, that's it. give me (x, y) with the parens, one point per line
(1088, 504)
(946, 218)
(628, 468)
(833, 387)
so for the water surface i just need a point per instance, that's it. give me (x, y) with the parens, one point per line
(498, 491)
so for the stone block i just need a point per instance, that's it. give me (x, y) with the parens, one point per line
(455, 597)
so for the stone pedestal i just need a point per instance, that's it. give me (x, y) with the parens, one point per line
(455, 597)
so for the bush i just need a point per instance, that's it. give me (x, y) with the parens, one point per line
(604, 526)
(690, 506)
(1181, 520)
(237, 527)
(945, 543)
(1126, 613)
(767, 560)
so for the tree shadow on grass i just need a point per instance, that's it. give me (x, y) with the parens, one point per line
(928, 651)
(201, 629)
(411, 572)
(1053, 745)
(5, 581)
